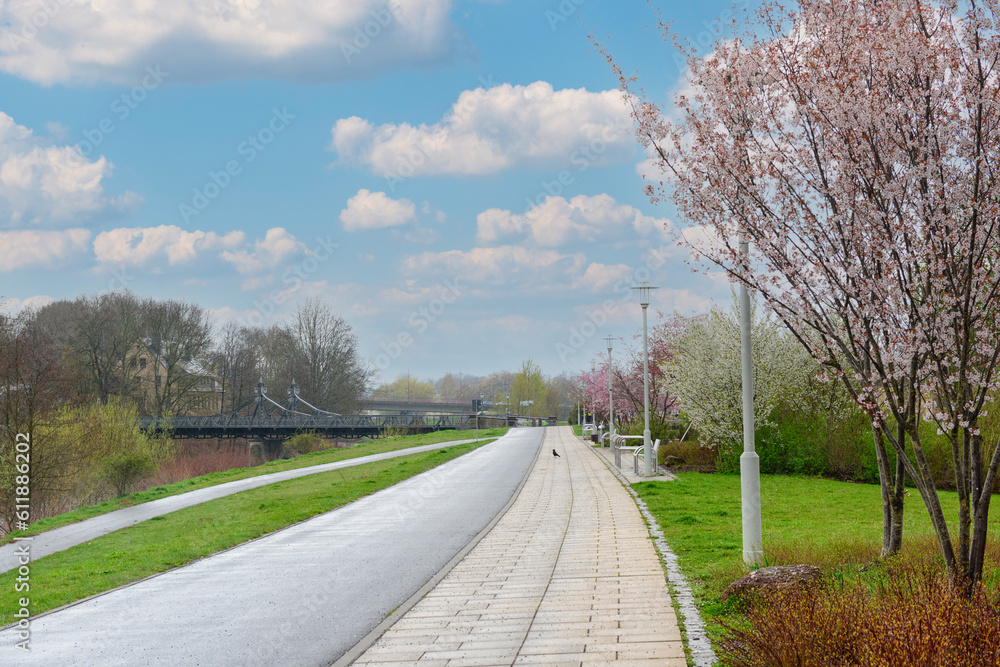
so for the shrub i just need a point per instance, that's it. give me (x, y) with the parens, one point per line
(304, 443)
(693, 453)
(912, 618)
(124, 471)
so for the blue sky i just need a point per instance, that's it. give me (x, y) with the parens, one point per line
(457, 178)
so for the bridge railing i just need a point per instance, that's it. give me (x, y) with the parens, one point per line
(238, 422)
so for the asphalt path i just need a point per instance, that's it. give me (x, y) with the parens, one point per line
(301, 596)
(58, 539)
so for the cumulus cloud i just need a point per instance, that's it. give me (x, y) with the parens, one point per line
(376, 210)
(14, 306)
(134, 246)
(557, 222)
(276, 248)
(497, 128)
(603, 277)
(504, 265)
(50, 185)
(86, 42)
(37, 248)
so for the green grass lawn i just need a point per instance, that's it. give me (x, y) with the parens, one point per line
(315, 458)
(180, 537)
(834, 525)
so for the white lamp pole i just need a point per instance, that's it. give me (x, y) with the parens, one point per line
(478, 408)
(611, 400)
(593, 415)
(647, 446)
(753, 548)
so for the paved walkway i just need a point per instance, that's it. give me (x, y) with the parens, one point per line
(568, 576)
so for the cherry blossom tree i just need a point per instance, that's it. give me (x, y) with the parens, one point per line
(855, 146)
(627, 376)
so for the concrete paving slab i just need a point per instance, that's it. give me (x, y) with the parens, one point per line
(570, 570)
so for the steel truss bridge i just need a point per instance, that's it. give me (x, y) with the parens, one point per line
(271, 420)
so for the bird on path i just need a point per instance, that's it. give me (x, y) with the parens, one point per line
(556, 454)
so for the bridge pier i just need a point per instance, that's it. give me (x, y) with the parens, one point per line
(262, 450)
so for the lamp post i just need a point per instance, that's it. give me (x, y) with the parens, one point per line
(647, 447)
(611, 401)
(753, 547)
(593, 416)
(478, 409)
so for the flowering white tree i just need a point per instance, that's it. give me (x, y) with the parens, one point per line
(706, 373)
(856, 147)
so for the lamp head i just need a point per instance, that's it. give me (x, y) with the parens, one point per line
(644, 287)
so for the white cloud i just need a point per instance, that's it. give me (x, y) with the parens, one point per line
(376, 210)
(113, 40)
(276, 248)
(145, 245)
(14, 306)
(36, 248)
(48, 185)
(603, 277)
(505, 265)
(492, 129)
(557, 222)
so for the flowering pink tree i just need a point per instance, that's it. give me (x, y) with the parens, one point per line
(627, 377)
(856, 148)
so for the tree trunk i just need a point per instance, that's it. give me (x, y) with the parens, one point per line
(882, 457)
(891, 486)
(896, 502)
(981, 512)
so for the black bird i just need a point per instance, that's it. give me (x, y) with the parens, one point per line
(555, 453)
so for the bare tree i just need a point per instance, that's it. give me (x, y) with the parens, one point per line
(177, 336)
(332, 372)
(34, 384)
(100, 335)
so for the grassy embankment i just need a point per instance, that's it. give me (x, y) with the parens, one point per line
(174, 539)
(836, 526)
(315, 458)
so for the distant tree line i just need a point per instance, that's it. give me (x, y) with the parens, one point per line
(75, 375)
(156, 353)
(501, 390)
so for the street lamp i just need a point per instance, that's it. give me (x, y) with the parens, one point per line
(647, 447)
(753, 547)
(611, 402)
(593, 417)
